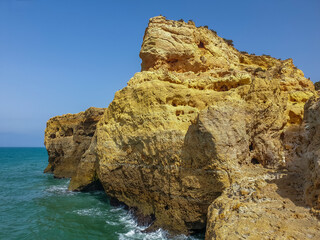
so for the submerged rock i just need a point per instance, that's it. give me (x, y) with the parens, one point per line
(199, 120)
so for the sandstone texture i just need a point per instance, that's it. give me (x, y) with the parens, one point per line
(67, 138)
(264, 204)
(311, 153)
(204, 137)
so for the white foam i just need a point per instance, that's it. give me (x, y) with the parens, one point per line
(60, 189)
(111, 223)
(89, 212)
(128, 220)
(138, 234)
(118, 216)
(57, 189)
(118, 209)
(131, 233)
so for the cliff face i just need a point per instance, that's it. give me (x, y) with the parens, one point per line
(200, 126)
(311, 153)
(180, 132)
(67, 138)
(264, 203)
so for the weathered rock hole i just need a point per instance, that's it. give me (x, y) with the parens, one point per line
(224, 88)
(116, 203)
(282, 136)
(179, 112)
(87, 124)
(93, 186)
(53, 135)
(197, 232)
(201, 45)
(58, 153)
(178, 102)
(172, 61)
(90, 134)
(315, 198)
(69, 132)
(259, 69)
(196, 228)
(255, 161)
(251, 147)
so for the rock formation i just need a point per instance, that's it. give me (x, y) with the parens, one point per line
(310, 153)
(263, 204)
(202, 126)
(67, 138)
(275, 203)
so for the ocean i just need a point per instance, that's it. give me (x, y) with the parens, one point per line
(34, 205)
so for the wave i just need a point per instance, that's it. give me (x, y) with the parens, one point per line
(138, 234)
(60, 189)
(89, 212)
(115, 217)
(134, 231)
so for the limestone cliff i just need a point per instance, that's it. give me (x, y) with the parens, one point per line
(310, 153)
(262, 204)
(177, 135)
(200, 122)
(275, 203)
(67, 137)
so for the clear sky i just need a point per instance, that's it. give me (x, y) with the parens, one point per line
(63, 56)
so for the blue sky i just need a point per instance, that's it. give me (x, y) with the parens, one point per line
(63, 56)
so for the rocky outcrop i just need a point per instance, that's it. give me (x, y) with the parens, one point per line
(177, 135)
(311, 153)
(67, 138)
(263, 204)
(200, 123)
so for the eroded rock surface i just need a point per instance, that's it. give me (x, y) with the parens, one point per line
(67, 138)
(311, 153)
(201, 121)
(262, 204)
(177, 135)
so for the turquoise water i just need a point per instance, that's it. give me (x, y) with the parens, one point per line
(34, 205)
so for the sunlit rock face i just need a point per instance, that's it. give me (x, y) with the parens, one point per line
(198, 123)
(178, 135)
(67, 138)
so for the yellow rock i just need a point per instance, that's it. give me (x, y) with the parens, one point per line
(200, 121)
(67, 137)
(309, 153)
(177, 135)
